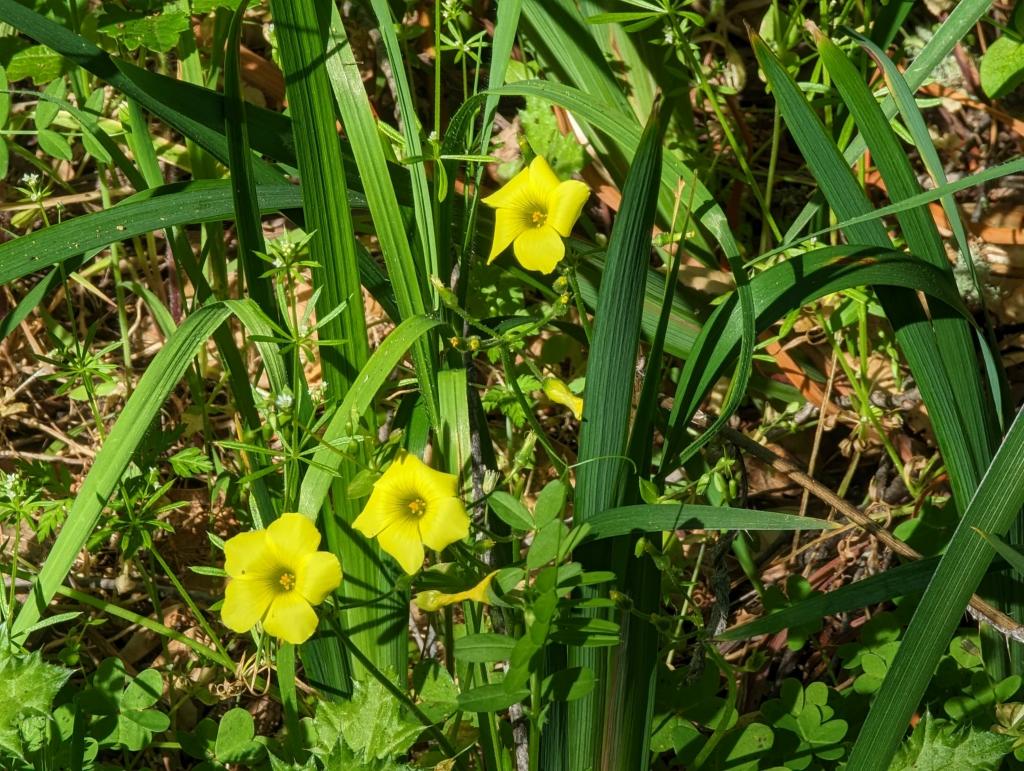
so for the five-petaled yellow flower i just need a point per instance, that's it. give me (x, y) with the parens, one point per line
(411, 506)
(534, 212)
(559, 393)
(431, 599)
(276, 576)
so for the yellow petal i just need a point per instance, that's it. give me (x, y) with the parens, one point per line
(432, 484)
(565, 204)
(318, 575)
(515, 193)
(543, 181)
(509, 224)
(402, 541)
(444, 523)
(291, 618)
(250, 555)
(540, 249)
(384, 507)
(245, 602)
(293, 536)
(559, 392)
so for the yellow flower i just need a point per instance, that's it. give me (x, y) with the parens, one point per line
(276, 576)
(432, 599)
(411, 506)
(559, 393)
(535, 211)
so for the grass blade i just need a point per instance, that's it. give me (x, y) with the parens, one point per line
(993, 508)
(900, 581)
(913, 331)
(136, 418)
(325, 205)
(317, 480)
(659, 518)
(407, 279)
(951, 330)
(243, 184)
(603, 438)
(423, 208)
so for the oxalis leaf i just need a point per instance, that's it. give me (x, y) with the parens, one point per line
(28, 686)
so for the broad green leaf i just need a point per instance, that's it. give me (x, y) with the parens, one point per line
(373, 723)
(490, 698)
(483, 647)
(54, 144)
(157, 32)
(510, 511)
(1002, 66)
(568, 685)
(941, 745)
(38, 63)
(28, 686)
(49, 103)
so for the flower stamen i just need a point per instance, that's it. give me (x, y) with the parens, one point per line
(538, 218)
(418, 507)
(287, 581)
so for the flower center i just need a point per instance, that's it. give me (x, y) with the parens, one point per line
(418, 507)
(538, 218)
(287, 581)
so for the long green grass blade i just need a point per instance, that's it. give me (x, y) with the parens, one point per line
(602, 466)
(407, 278)
(659, 518)
(915, 123)
(952, 333)
(913, 331)
(141, 409)
(993, 508)
(183, 203)
(243, 183)
(301, 36)
(900, 581)
(962, 18)
(423, 209)
(317, 481)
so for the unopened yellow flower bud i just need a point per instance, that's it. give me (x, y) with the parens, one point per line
(433, 600)
(559, 393)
